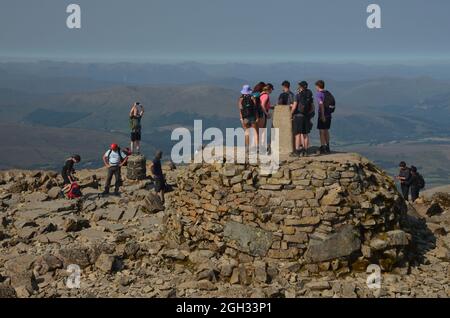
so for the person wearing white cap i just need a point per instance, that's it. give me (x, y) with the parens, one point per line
(248, 114)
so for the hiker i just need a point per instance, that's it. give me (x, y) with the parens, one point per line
(267, 110)
(249, 116)
(286, 97)
(302, 112)
(416, 183)
(136, 114)
(404, 177)
(114, 159)
(158, 176)
(326, 108)
(68, 170)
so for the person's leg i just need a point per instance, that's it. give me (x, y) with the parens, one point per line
(405, 192)
(298, 142)
(108, 179)
(118, 178)
(254, 133)
(414, 194)
(262, 132)
(306, 142)
(327, 139)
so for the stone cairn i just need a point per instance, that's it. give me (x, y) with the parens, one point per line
(136, 167)
(333, 213)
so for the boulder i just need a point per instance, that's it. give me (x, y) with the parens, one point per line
(7, 291)
(249, 239)
(105, 263)
(152, 203)
(340, 244)
(55, 193)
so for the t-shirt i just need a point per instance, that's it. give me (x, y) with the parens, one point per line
(156, 169)
(321, 100)
(114, 158)
(405, 173)
(68, 167)
(265, 98)
(286, 98)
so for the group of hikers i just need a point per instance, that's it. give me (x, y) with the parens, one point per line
(114, 159)
(411, 181)
(256, 114)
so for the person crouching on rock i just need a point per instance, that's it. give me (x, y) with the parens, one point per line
(158, 176)
(68, 170)
(114, 160)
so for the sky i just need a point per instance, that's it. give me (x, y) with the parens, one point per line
(227, 30)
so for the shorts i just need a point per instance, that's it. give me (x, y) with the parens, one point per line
(160, 185)
(302, 125)
(261, 114)
(249, 121)
(136, 136)
(324, 125)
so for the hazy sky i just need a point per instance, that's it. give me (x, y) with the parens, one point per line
(227, 30)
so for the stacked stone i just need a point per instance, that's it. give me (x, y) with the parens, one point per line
(339, 213)
(136, 167)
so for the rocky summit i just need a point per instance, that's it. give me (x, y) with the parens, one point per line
(311, 229)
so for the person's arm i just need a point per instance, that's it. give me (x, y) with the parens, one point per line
(294, 107)
(142, 111)
(264, 104)
(240, 108)
(105, 161)
(124, 161)
(132, 111)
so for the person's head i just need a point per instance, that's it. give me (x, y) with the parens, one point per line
(76, 158)
(268, 88)
(402, 165)
(246, 90)
(303, 85)
(320, 85)
(158, 154)
(259, 87)
(114, 147)
(286, 86)
(413, 169)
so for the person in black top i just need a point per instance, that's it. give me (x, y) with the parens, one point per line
(158, 176)
(404, 177)
(415, 183)
(68, 169)
(287, 97)
(302, 112)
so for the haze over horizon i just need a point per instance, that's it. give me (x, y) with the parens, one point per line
(287, 31)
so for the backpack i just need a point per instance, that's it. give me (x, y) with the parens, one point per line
(306, 105)
(329, 102)
(248, 106)
(74, 192)
(421, 182)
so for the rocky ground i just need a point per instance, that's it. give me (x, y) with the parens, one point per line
(119, 245)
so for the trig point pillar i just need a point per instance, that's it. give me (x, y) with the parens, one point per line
(282, 119)
(136, 167)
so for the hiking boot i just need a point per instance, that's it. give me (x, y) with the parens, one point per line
(104, 194)
(305, 153)
(323, 150)
(327, 149)
(116, 194)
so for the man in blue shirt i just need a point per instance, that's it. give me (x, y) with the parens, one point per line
(114, 159)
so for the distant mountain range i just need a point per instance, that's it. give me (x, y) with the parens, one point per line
(92, 101)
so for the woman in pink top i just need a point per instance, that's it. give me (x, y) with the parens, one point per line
(266, 108)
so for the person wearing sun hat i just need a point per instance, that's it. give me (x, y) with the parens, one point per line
(248, 113)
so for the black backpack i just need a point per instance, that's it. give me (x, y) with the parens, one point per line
(306, 105)
(421, 182)
(329, 102)
(248, 106)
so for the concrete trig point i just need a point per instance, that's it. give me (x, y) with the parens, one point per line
(282, 119)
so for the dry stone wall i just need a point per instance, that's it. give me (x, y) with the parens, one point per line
(336, 212)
